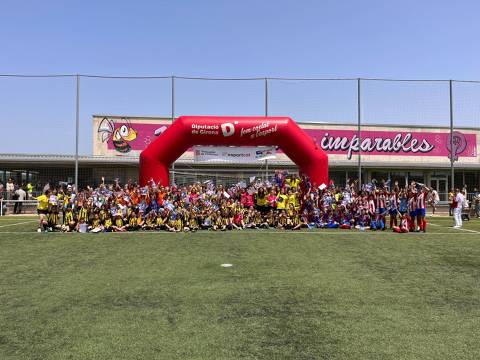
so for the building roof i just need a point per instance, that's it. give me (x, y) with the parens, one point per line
(187, 159)
(314, 122)
(60, 158)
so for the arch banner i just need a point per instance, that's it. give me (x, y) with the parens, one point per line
(230, 154)
(188, 131)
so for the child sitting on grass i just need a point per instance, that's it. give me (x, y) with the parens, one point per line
(403, 228)
(119, 225)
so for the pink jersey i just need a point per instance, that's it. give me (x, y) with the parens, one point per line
(237, 219)
(272, 200)
(246, 199)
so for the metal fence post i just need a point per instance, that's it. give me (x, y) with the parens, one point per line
(173, 119)
(452, 152)
(359, 133)
(77, 129)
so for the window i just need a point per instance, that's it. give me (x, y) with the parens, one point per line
(380, 177)
(400, 177)
(471, 180)
(338, 177)
(458, 179)
(416, 176)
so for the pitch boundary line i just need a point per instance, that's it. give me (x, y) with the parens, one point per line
(470, 231)
(20, 223)
(447, 227)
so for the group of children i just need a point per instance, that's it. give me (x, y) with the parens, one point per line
(290, 203)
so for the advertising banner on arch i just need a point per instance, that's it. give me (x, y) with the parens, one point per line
(244, 154)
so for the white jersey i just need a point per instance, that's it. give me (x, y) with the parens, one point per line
(460, 199)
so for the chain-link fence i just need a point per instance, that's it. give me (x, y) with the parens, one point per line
(48, 134)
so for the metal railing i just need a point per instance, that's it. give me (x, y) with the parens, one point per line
(22, 206)
(358, 101)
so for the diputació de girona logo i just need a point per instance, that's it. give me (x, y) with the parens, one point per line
(228, 129)
(456, 144)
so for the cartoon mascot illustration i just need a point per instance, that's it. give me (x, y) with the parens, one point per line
(121, 134)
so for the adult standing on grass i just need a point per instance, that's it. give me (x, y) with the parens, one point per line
(10, 188)
(457, 210)
(2, 204)
(476, 202)
(464, 191)
(434, 199)
(451, 201)
(21, 196)
(42, 210)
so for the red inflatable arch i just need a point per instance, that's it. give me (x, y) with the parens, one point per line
(188, 131)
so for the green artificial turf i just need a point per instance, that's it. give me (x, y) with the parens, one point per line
(289, 295)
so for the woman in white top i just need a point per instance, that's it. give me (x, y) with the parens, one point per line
(457, 211)
(434, 199)
(10, 189)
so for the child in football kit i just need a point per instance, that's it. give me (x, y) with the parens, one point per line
(421, 209)
(403, 228)
(412, 211)
(69, 223)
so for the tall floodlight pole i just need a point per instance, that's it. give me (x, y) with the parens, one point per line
(77, 128)
(452, 150)
(173, 99)
(266, 114)
(173, 119)
(359, 133)
(266, 96)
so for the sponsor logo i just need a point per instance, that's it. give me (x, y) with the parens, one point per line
(456, 144)
(228, 129)
(400, 143)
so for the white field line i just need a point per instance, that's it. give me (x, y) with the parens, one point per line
(468, 230)
(20, 223)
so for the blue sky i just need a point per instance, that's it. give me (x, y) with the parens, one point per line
(393, 39)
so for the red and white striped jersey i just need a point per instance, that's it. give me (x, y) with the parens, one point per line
(381, 202)
(412, 204)
(393, 201)
(421, 200)
(371, 206)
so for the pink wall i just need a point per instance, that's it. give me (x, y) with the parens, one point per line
(398, 143)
